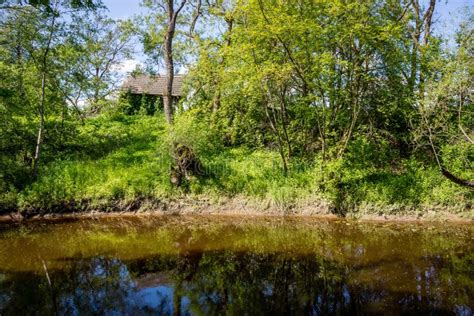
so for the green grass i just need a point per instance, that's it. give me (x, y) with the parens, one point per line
(120, 163)
(118, 159)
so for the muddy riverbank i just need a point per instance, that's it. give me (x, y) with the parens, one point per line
(245, 207)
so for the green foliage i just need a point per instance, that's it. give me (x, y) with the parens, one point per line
(407, 183)
(195, 132)
(132, 104)
(299, 74)
(117, 162)
(118, 159)
(295, 100)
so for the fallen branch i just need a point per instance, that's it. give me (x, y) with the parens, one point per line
(455, 179)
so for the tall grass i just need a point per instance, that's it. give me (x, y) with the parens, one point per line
(120, 159)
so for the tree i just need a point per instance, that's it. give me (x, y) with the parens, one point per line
(52, 29)
(91, 58)
(308, 77)
(159, 35)
(39, 33)
(49, 4)
(420, 32)
(446, 125)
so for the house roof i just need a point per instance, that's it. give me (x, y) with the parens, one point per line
(152, 85)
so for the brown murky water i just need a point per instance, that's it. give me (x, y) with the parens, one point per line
(236, 266)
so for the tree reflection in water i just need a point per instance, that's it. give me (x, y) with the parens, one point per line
(202, 266)
(219, 282)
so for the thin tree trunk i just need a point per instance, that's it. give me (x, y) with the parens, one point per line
(414, 62)
(274, 127)
(356, 108)
(284, 121)
(177, 300)
(50, 284)
(168, 56)
(427, 19)
(39, 139)
(414, 51)
(168, 95)
(461, 103)
(216, 102)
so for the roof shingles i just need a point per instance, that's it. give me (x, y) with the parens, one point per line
(152, 85)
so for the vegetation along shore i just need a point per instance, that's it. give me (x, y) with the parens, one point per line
(353, 109)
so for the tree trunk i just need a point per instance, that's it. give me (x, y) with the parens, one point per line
(177, 301)
(168, 95)
(455, 179)
(428, 17)
(39, 139)
(416, 41)
(168, 57)
(216, 102)
(272, 119)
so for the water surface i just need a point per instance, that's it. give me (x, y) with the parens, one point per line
(236, 266)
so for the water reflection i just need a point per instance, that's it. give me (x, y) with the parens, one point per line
(249, 280)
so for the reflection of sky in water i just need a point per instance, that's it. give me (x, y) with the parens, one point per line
(156, 298)
(114, 292)
(107, 286)
(159, 298)
(463, 310)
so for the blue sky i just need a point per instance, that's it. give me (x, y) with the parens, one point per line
(122, 9)
(448, 14)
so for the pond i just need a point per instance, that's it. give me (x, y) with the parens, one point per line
(236, 266)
